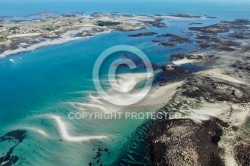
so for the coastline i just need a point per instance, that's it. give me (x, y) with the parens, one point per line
(66, 37)
(85, 26)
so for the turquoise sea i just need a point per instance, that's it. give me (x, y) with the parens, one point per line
(220, 8)
(56, 79)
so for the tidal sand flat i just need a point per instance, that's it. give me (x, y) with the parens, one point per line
(196, 111)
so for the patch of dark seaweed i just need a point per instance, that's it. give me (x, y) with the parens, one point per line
(184, 15)
(143, 34)
(218, 89)
(168, 147)
(175, 39)
(223, 27)
(16, 136)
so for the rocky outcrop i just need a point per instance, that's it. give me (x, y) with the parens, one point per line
(242, 153)
(184, 15)
(220, 90)
(174, 142)
(183, 142)
(17, 136)
(143, 34)
(84, 34)
(186, 56)
(175, 39)
(229, 31)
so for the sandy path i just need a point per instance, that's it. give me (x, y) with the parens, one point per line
(216, 73)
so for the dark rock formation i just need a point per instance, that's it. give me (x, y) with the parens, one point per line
(84, 34)
(211, 29)
(16, 136)
(244, 66)
(210, 16)
(245, 48)
(107, 23)
(223, 26)
(242, 153)
(143, 34)
(185, 56)
(174, 71)
(157, 23)
(166, 44)
(207, 36)
(240, 35)
(183, 142)
(68, 15)
(175, 39)
(184, 15)
(218, 89)
(174, 142)
(195, 23)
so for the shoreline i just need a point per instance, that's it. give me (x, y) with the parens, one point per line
(48, 42)
(27, 36)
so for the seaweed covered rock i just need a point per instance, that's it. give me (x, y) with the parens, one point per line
(183, 142)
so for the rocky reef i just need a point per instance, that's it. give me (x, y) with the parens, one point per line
(184, 142)
(143, 34)
(229, 32)
(217, 89)
(175, 38)
(184, 15)
(16, 136)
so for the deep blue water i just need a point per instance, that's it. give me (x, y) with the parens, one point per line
(221, 8)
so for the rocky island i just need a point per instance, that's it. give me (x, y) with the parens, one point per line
(18, 36)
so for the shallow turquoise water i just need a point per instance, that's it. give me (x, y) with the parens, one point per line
(50, 75)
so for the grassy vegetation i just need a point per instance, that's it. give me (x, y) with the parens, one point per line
(2, 38)
(107, 23)
(49, 28)
(14, 29)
